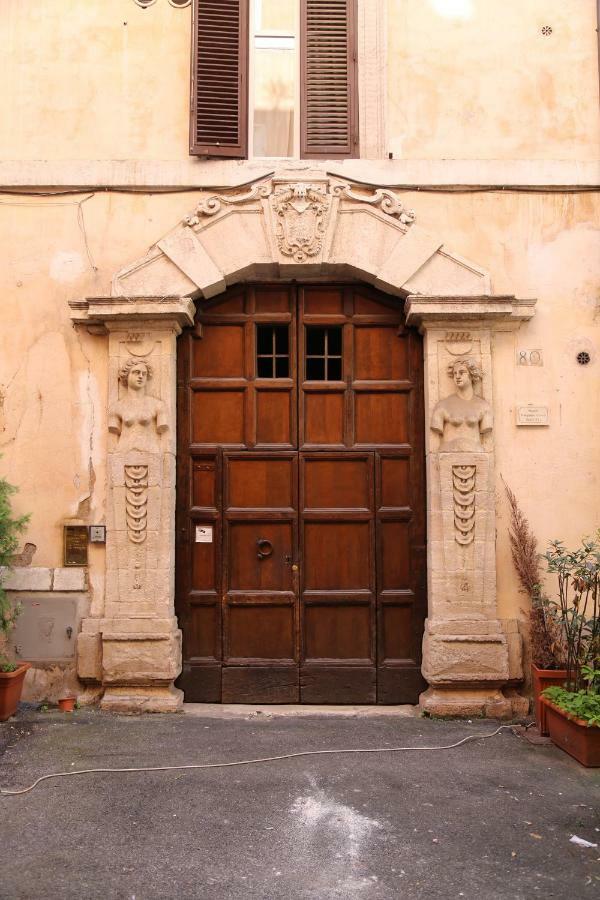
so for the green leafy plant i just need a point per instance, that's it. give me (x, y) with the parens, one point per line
(580, 704)
(578, 608)
(10, 529)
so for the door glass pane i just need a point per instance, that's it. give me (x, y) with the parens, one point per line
(315, 369)
(334, 342)
(324, 353)
(272, 351)
(334, 369)
(315, 341)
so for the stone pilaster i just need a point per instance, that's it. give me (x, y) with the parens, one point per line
(134, 650)
(465, 650)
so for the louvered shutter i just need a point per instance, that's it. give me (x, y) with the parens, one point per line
(219, 108)
(329, 121)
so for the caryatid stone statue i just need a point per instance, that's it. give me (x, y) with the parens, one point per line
(138, 419)
(462, 418)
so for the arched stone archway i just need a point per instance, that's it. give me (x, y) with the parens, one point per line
(282, 228)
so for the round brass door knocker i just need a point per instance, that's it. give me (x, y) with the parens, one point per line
(265, 548)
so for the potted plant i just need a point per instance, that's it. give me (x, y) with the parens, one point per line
(573, 711)
(12, 674)
(548, 654)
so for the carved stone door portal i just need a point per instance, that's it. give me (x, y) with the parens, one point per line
(301, 497)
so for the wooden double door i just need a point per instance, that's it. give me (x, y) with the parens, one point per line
(300, 485)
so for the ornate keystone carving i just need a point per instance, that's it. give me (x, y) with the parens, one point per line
(384, 198)
(301, 212)
(462, 417)
(463, 485)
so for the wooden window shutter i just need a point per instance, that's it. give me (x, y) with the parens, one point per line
(219, 108)
(329, 115)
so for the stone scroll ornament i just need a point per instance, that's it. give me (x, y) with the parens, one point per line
(138, 420)
(463, 487)
(461, 419)
(136, 502)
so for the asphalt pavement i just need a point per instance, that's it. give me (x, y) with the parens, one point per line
(493, 818)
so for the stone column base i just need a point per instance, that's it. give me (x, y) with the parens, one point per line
(466, 700)
(148, 699)
(130, 664)
(465, 662)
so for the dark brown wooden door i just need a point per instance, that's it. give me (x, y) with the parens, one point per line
(300, 514)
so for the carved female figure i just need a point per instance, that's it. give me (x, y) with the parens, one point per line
(462, 417)
(137, 418)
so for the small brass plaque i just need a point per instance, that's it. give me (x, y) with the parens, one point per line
(75, 545)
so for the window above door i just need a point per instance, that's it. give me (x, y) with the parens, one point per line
(274, 78)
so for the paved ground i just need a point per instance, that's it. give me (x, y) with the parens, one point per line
(491, 819)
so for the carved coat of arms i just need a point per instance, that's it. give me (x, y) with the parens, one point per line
(301, 219)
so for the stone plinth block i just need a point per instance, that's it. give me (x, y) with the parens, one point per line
(445, 701)
(465, 669)
(89, 657)
(70, 579)
(134, 701)
(140, 658)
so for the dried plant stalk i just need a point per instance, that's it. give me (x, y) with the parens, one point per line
(523, 545)
(547, 644)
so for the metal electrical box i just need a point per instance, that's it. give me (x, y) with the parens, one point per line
(46, 630)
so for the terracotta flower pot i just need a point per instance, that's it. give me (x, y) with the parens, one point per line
(541, 679)
(574, 736)
(11, 686)
(66, 704)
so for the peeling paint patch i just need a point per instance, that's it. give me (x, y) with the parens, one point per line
(66, 266)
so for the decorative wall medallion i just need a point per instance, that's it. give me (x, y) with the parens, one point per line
(384, 198)
(463, 486)
(136, 502)
(139, 344)
(458, 343)
(214, 204)
(301, 217)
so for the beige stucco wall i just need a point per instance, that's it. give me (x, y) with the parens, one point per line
(471, 79)
(466, 80)
(478, 79)
(53, 378)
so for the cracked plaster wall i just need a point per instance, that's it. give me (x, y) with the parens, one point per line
(53, 378)
(514, 94)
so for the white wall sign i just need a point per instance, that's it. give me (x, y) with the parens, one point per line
(533, 415)
(204, 534)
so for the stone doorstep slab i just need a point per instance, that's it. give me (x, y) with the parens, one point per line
(245, 711)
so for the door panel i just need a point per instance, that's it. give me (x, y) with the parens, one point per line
(338, 577)
(300, 461)
(260, 616)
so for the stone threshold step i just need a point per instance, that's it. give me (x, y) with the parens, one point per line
(245, 711)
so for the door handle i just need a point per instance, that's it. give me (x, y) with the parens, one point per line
(265, 548)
